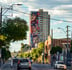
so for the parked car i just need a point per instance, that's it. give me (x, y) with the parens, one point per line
(24, 64)
(60, 65)
(68, 63)
(14, 61)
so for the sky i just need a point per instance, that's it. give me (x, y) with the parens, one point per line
(60, 12)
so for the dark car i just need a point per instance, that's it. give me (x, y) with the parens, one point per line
(68, 63)
(23, 64)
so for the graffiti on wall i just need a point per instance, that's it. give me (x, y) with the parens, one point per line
(34, 29)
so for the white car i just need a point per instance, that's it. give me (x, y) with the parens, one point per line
(60, 65)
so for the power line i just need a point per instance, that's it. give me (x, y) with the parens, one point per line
(44, 17)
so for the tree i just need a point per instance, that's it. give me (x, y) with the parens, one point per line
(24, 47)
(8, 54)
(5, 54)
(2, 43)
(53, 50)
(71, 47)
(58, 49)
(15, 29)
(12, 30)
(40, 45)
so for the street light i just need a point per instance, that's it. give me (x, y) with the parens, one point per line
(61, 29)
(68, 54)
(1, 14)
(11, 7)
(64, 49)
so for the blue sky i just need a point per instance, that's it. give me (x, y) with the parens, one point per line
(58, 9)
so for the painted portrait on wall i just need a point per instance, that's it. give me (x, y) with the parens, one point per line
(34, 28)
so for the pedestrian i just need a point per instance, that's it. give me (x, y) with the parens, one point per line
(11, 62)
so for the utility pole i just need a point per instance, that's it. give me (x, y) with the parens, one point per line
(51, 46)
(51, 38)
(0, 19)
(67, 36)
(67, 45)
(0, 34)
(68, 51)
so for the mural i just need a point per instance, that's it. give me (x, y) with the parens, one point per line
(34, 29)
(47, 49)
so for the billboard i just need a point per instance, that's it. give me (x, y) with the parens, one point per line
(34, 29)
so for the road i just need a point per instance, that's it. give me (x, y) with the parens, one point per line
(7, 66)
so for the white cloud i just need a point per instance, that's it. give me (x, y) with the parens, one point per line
(56, 31)
(5, 1)
(63, 7)
(13, 15)
(10, 1)
(31, 0)
(16, 15)
(56, 12)
(34, 5)
(63, 0)
(58, 22)
(61, 10)
(69, 19)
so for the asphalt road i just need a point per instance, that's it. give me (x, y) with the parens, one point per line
(7, 66)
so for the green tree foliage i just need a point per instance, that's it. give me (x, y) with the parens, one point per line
(71, 43)
(24, 47)
(2, 43)
(58, 49)
(40, 45)
(8, 54)
(5, 53)
(15, 29)
(25, 55)
(53, 50)
(35, 53)
(71, 47)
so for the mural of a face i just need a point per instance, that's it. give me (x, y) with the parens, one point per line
(34, 28)
(33, 18)
(35, 39)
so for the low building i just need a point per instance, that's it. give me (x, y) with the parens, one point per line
(61, 42)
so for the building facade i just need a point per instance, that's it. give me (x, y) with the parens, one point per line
(61, 42)
(39, 27)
